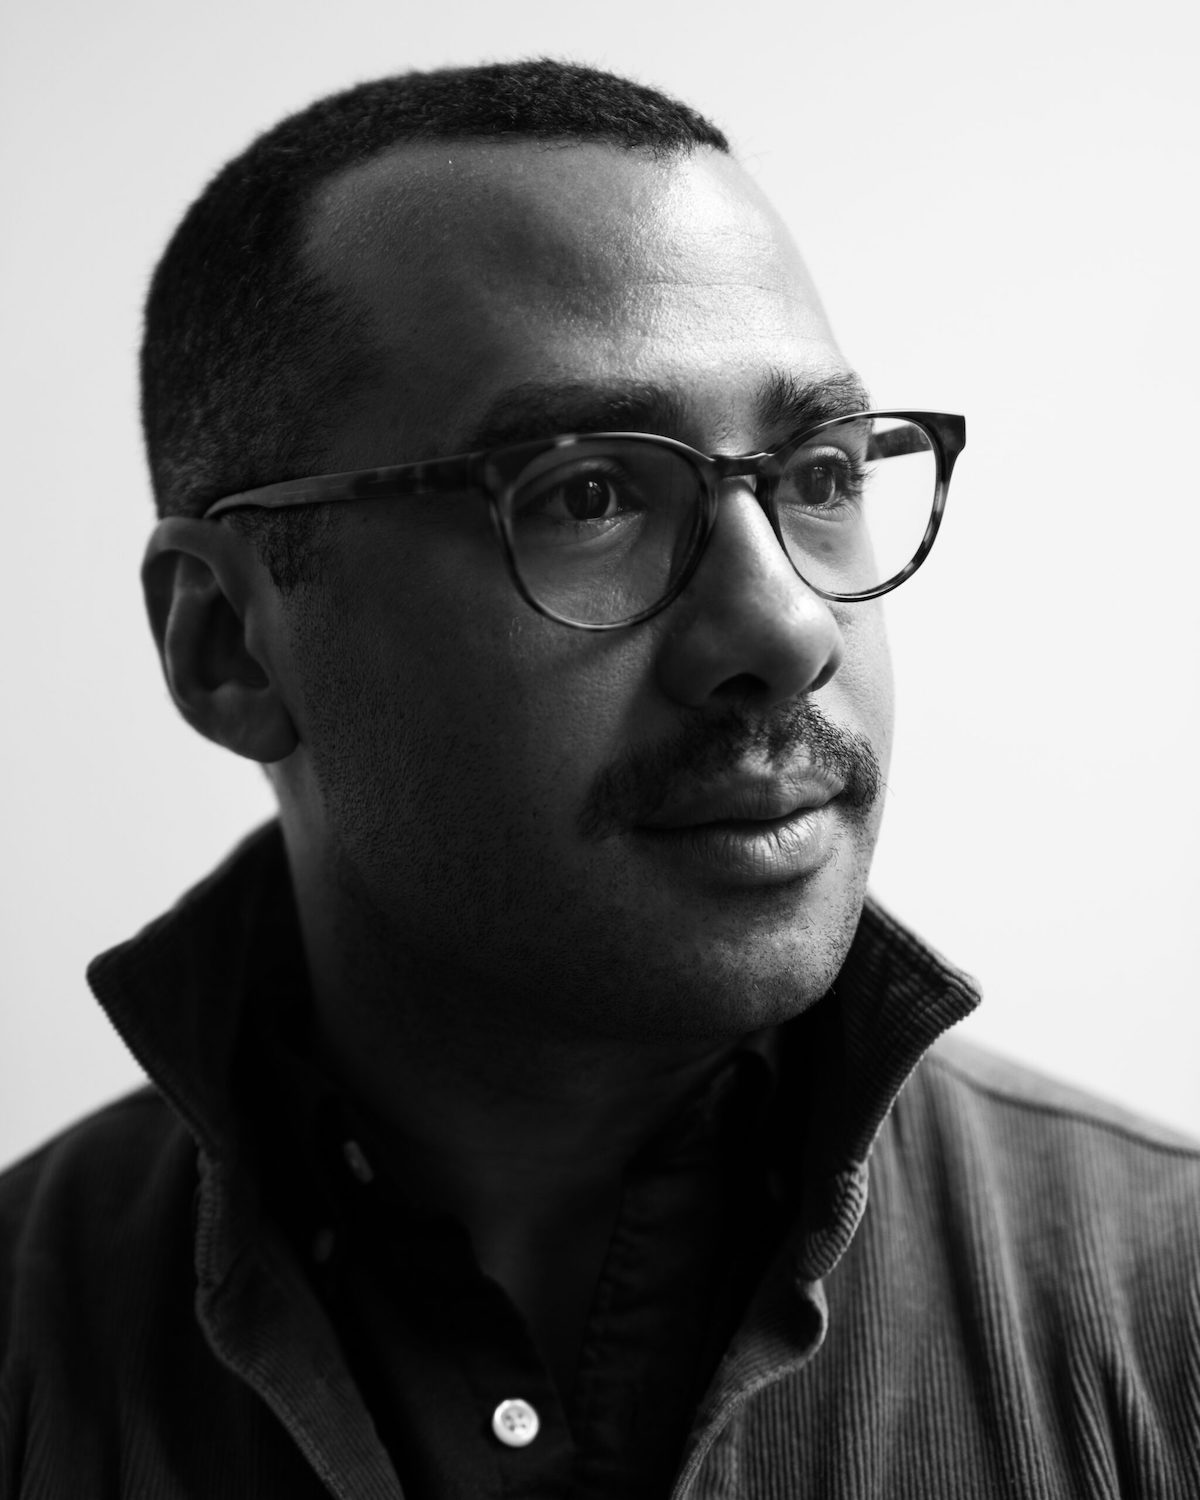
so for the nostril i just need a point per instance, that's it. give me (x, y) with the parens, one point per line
(743, 687)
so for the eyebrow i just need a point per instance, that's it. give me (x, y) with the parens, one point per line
(787, 404)
(538, 409)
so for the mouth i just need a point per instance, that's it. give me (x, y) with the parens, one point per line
(749, 800)
(750, 833)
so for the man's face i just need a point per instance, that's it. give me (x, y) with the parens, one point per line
(656, 831)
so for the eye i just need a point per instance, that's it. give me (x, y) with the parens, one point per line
(585, 497)
(818, 485)
(825, 482)
(594, 494)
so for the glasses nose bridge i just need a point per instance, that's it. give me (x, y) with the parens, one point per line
(740, 466)
(759, 472)
(752, 467)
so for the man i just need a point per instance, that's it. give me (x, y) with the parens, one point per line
(517, 1095)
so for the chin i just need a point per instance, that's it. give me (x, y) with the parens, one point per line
(718, 981)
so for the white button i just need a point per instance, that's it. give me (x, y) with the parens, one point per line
(356, 1160)
(515, 1423)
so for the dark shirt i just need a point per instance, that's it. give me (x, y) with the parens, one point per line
(436, 1346)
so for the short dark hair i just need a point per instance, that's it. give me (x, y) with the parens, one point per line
(247, 356)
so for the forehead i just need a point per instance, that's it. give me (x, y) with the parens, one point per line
(485, 268)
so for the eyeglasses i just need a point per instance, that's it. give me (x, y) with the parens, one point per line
(603, 530)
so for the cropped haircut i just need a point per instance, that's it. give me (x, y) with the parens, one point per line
(248, 357)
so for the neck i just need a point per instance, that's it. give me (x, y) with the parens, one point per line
(488, 1110)
(527, 1161)
(494, 1122)
(491, 1105)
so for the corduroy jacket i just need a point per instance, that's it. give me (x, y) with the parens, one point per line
(991, 1286)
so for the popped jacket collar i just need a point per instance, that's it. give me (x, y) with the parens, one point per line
(177, 994)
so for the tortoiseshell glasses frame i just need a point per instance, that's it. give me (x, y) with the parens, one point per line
(614, 570)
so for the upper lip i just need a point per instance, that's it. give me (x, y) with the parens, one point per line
(748, 798)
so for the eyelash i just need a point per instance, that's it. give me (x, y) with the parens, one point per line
(596, 469)
(850, 474)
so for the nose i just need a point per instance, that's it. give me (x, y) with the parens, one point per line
(747, 629)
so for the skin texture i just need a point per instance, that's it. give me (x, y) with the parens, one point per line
(518, 992)
(453, 735)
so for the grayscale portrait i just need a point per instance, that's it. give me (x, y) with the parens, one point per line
(601, 865)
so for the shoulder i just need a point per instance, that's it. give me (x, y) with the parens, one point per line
(91, 1222)
(90, 1162)
(1021, 1297)
(1034, 1106)
(1044, 1244)
(1048, 1164)
(107, 1378)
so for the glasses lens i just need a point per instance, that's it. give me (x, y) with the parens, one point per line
(601, 527)
(854, 502)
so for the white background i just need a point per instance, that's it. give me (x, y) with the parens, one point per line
(999, 205)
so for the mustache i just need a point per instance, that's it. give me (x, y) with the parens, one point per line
(634, 787)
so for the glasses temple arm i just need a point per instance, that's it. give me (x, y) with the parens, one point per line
(438, 476)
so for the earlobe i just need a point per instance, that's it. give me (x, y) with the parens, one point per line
(204, 594)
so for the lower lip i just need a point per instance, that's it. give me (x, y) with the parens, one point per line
(751, 853)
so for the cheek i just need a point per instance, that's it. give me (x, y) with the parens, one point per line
(864, 680)
(460, 716)
(541, 709)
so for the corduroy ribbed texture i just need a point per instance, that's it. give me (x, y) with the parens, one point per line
(992, 1286)
(1018, 1314)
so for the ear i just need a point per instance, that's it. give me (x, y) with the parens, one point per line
(212, 608)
